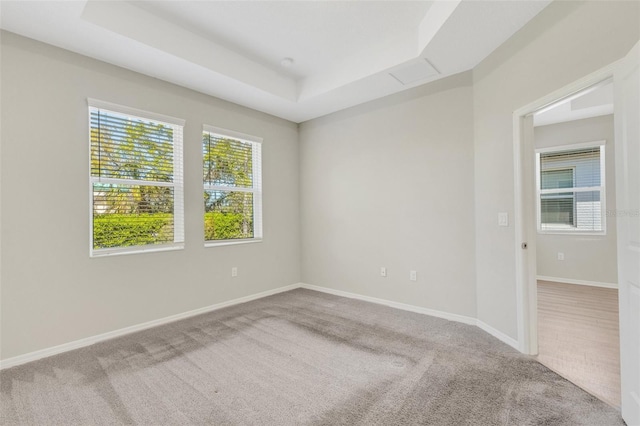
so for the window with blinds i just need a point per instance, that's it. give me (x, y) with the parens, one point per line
(232, 186)
(571, 189)
(136, 180)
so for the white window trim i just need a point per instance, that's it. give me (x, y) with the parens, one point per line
(573, 147)
(231, 134)
(178, 180)
(220, 243)
(257, 192)
(109, 252)
(135, 113)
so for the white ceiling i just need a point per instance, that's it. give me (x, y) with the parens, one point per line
(344, 52)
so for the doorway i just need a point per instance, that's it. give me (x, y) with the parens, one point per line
(576, 241)
(560, 209)
(626, 78)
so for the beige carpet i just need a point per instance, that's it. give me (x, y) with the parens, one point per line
(299, 357)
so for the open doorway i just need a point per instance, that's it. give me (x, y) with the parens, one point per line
(575, 240)
(626, 80)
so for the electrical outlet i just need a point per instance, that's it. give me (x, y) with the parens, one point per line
(560, 256)
(234, 271)
(413, 275)
(383, 271)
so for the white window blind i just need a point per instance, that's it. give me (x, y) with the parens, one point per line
(232, 186)
(571, 189)
(136, 180)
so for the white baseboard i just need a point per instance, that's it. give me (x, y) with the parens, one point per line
(44, 353)
(498, 335)
(390, 303)
(418, 309)
(578, 282)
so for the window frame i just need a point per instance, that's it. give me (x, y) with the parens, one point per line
(255, 189)
(601, 144)
(177, 184)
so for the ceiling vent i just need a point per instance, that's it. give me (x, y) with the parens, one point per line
(414, 72)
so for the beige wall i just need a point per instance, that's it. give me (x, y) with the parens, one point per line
(565, 42)
(587, 257)
(52, 292)
(390, 183)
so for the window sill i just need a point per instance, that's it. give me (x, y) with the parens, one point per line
(135, 250)
(231, 242)
(573, 233)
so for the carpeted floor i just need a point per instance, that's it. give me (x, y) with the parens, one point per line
(300, 357)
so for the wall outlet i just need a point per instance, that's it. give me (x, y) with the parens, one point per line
(234, 271)
(413, 275)
(560, 256)
(383, 271)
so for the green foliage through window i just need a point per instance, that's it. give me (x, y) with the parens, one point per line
(127, 230)
(231, 182)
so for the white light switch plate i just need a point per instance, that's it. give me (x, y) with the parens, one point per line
(503, 219)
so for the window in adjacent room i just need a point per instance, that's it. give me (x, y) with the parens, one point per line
(232, 186)
(136, 180)
(571, 196)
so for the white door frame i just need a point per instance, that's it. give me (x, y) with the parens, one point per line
(524, 220)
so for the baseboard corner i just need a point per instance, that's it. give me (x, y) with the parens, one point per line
(498, 335)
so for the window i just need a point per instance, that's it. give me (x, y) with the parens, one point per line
(232, 186)
(571, 188)
(558, 208)
(136, 180)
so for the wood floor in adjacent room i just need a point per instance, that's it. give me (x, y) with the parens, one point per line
(578, 336)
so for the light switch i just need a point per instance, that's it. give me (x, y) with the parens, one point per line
(503, 219)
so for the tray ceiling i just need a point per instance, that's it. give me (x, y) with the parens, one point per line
(342, 53)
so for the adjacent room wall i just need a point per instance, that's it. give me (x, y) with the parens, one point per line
(586, 257)
(390, 184)
(565, 42)
(52, 292)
